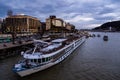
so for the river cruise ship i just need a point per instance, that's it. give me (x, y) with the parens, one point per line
(46, 54)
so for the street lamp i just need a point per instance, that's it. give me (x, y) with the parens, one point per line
(13, 34)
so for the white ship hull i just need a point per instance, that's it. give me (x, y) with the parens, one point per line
(34, 70)
(39, 68)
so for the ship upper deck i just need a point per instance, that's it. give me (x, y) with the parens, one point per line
(44, 49)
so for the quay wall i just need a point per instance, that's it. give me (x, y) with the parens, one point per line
(10, 49)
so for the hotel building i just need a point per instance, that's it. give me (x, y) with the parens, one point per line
(54, 24)
(57, 25)
(22, 23)
(70, 27)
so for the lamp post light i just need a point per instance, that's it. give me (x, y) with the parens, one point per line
(13, 34)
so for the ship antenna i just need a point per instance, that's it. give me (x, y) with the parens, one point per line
(34, 49)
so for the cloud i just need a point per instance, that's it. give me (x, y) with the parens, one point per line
(92, 25)
(80, 19)
(3, 10)
(81, 13)
(109, 15)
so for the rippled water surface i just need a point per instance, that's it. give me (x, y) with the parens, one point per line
(93, 60)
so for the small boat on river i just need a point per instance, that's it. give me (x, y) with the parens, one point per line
(98, 35)
(105, 38)
(46, 54)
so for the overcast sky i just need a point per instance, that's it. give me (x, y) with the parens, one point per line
(81, 13)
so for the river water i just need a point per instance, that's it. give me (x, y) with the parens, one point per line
(93, 60)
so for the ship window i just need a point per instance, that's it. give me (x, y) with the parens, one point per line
(43, 59)
(39, 60)
(47, 59)
(35, 60)
(32, 60)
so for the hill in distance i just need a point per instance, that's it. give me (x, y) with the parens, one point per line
(109, 26)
